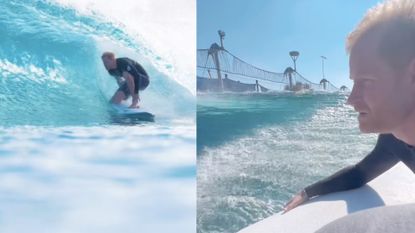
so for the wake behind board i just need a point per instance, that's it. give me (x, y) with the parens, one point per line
(124, 111)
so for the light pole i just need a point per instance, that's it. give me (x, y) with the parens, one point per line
(294, 55)
(322, 64)
(222, 37)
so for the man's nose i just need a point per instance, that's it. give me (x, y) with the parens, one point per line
(353, 97)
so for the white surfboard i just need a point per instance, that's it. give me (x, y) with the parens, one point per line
(394, 187)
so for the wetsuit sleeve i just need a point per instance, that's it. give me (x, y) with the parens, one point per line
(375, 163)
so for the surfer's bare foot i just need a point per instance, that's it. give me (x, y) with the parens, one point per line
(134, 103)
(134, 106)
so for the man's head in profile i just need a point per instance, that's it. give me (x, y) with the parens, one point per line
(382, 67)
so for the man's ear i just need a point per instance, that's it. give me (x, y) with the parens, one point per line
(412, 71)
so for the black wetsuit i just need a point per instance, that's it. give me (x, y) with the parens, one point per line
(388, 151)
(141, 78)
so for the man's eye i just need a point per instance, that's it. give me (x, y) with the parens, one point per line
(365, 81)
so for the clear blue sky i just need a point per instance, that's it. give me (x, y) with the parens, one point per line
(262, 32)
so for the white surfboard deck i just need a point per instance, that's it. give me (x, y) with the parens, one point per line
(396, 186)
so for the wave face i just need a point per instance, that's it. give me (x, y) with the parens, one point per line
(51, 72)
(66, 165)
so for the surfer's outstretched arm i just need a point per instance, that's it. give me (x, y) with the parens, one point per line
(375, 163)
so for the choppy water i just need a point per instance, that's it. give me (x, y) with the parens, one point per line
(256, 151)
(67, 164)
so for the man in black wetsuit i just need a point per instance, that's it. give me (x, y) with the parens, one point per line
(131, 78)
(382, 67)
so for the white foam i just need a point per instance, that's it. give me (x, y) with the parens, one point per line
(97, 179)
(31, 72)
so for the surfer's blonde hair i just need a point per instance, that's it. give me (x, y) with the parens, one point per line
(108, 54)
(394, 20)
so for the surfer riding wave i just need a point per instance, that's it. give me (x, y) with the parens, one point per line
(130, 75)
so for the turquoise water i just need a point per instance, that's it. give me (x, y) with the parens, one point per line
(52, 74)
(256, 150)
(67, 163)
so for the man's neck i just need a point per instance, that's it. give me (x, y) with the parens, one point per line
(406, 131)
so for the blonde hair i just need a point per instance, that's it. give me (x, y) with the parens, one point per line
(108, 54)
(395, 21)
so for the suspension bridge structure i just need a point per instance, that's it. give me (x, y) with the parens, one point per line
(218, 70)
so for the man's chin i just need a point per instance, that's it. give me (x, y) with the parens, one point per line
(366, 128)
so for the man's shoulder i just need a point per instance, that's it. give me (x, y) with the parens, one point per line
(389, 140)
(387, 136)
(126, 60)
(122, 60)
(124, 64)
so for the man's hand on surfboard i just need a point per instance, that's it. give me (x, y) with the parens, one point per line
(297, 200)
